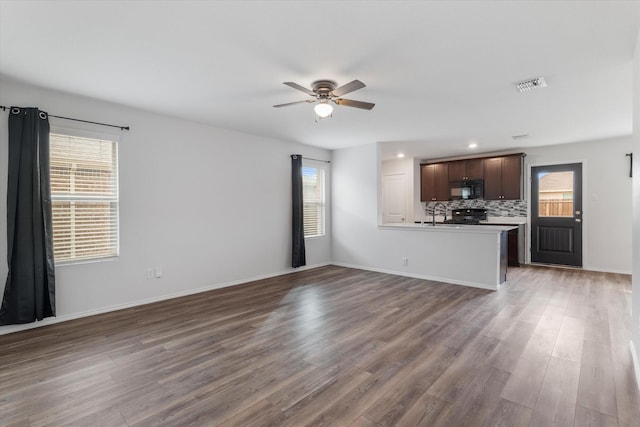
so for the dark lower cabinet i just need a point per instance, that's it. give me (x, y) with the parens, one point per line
(512, 248)
(503, 257)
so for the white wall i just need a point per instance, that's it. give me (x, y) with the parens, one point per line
(209, 206)
(606, 198)
(635, 294)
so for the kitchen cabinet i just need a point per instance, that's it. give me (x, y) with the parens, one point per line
(503, 178)
(515, 245)
(462, 170)
(513, 259)
(434, 182)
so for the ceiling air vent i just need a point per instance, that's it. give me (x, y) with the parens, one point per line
(531, 84)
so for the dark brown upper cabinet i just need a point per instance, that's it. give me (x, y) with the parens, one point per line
(462, 170)
(434, 182)
(503, 178)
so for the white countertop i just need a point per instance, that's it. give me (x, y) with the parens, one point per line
(516, 220)
(485, 229)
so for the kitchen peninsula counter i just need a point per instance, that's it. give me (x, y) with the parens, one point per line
(462, 228)
(470, 255)
(492, 220)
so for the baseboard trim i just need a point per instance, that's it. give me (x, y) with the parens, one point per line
(65, 318)
(606, 270)
(419, 276)
(583, 268)
(636, 363)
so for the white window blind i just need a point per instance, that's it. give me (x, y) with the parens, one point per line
(313, 201)
(84, 193)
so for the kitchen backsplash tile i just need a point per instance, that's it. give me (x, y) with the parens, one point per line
(494, 207)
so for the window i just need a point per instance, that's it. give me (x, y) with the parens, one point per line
(313, 200)
(555, 194)
(84, 193)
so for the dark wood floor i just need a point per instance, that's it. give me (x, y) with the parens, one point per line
(338, 347)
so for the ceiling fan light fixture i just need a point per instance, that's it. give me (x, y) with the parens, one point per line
(324, 93)
(323, 109)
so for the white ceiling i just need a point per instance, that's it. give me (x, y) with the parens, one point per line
(440, 72)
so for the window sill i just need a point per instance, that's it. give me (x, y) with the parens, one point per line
(85, 261)
(315, 237)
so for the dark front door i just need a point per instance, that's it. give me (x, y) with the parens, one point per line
(556, 214)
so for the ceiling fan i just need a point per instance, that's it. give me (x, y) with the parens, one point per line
(324, 93)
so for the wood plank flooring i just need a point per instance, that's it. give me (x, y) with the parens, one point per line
(338, 347)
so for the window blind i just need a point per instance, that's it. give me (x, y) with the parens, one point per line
(84, 193)
(313, 201)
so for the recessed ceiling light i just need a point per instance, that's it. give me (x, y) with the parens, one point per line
(400, 155)
(531, 84)
(473, 145)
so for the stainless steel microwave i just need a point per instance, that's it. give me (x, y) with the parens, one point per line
(472, 189)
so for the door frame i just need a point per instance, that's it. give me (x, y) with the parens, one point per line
(585, 205)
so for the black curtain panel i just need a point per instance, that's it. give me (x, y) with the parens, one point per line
(298, 257)
(29, 292)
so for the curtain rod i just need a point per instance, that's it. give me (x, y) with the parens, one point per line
(4, 108)
(316, 160)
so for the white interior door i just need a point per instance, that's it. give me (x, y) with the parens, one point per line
(394, 197)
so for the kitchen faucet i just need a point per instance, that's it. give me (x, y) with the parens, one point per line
(434, 212)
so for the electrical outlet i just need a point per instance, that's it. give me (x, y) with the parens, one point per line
(405, 261)
(150, 273)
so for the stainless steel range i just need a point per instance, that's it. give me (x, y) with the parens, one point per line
(467, 216)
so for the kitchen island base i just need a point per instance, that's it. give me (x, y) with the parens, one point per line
(457, 254)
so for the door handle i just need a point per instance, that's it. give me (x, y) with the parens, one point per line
(578, 212)
(578, 220)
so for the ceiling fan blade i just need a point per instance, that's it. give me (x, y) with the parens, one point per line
(349, 87)
(356, 104)
(294, 103)
(300, 88)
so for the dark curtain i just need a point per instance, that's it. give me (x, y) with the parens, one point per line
(29, 292)
(298, 257)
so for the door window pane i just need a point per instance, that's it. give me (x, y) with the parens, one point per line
(555, 194)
